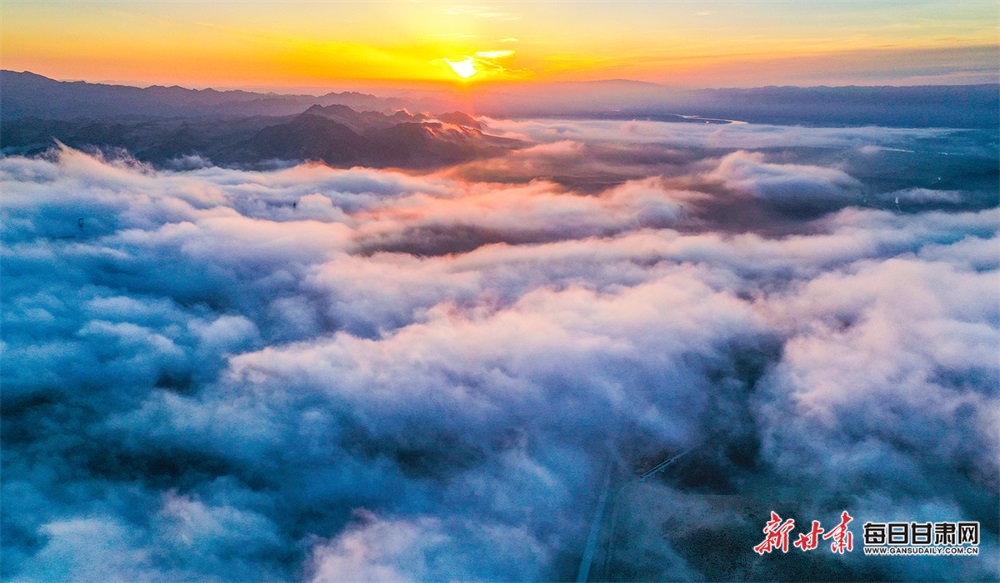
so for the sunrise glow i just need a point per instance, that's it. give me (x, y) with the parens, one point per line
(312, 44)
(465, 68)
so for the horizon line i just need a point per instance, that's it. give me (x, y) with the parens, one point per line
(352, 85)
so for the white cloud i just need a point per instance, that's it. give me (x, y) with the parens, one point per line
(218, 371)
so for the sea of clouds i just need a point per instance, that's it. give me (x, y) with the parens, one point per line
(343, 375)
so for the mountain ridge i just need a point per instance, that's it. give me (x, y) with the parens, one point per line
(27, 94)
(335, 134)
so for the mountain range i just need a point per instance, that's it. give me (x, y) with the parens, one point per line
(26, 94)
(173, 127)
(178, 127)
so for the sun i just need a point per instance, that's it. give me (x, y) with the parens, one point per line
(465, 68)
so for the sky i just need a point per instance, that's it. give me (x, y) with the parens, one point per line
(260, 44)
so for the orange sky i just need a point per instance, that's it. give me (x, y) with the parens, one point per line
(329, 43)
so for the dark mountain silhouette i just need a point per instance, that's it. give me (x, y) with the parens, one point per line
(334, 134)
(26, 94)
(359, 121)
(168, 126)
(956, 106)
(29, 95)
(309, 137)
(341, 136)
(157, 141)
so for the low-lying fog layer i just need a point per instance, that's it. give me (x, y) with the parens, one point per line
(331, 375)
